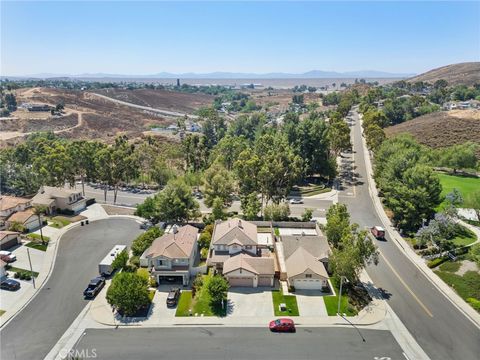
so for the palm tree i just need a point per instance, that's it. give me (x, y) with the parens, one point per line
(40, 210)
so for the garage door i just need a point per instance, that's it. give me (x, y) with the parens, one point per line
(170, 280)
(241, 281)
(8, 244)
(307, 284)
(265, 281)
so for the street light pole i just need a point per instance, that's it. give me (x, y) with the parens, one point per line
(340, 295)
(31, 269)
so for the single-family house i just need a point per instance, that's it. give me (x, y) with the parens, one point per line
(60, 199)
(306, 261)
(171, 257)
(10, 205)
(9, 239)
(26, 218)
(236, 252)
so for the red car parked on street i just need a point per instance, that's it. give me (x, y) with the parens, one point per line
(282, 325)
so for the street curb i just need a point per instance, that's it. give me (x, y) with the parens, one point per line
(52, 264)
(466, 309)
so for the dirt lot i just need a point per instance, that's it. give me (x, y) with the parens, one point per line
(160, 99)
(443, 128)
(117, 210)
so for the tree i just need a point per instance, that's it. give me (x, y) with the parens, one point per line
(474, 253)
(250, 205)
(204, 239)
(461, 156)
(40, 210)
(217, 209)
(338, 223)
(148, 209)
(128, 293)
(175, 203)
(339, 137)
(307, 215)
(217, 289)
(17, 226)
(375, 136)
(219, 184)
(120, 261)
(143, 241)
(228, 150)
(277, 212)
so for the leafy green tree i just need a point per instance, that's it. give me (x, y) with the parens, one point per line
(214, 129)
(277, 212)
(120, 261)
(338, 223)
(175, 203)
(204, 239)
(339, 137)
(147, 209)
(143, 241)
(307, 215)
(228, 150)
(461, 156)
(250, 205)
(128, 293)
(219, 184)
(474, 253)
(217, 209)
(217, 289)
(375, 136)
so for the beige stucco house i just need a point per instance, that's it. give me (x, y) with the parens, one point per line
(26, 218)
(10, 205)
(171, 257)
(9, 239)
(55, 199)
(236, 253)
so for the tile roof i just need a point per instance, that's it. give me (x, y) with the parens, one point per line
(301, 260)
(316, 245)
(235, 231)
(8, 202)
(4, 234)
(255, 265)
(178, 245)
(21, 216)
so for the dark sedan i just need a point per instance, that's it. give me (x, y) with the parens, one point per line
(10, 284)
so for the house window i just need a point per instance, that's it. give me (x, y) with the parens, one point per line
(308, 276)
(160, 262)
(248, 247)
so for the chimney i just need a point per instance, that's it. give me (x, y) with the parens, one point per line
(240, 224)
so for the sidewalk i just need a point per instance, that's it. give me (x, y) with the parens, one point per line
(454, 298)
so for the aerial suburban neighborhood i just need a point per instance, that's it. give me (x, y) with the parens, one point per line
(177, 181)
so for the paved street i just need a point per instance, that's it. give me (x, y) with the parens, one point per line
(36, 329)
(238, 343)
(438, 326)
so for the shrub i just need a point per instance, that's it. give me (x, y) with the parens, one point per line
(142, 242)
(135, 261)
(120, 261)
(474, 303)
(291, 289)
(204, 240)
(217, 288)
(27, 277)
(435, 262)
(128, 293)
(144, 274)
(203, 253)
(16, 275)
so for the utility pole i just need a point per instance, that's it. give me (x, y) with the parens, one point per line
(340, 294)
(31, 269)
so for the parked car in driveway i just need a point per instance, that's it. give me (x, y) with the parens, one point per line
(10, 284)
(94, 287)
(8, 258)
(172, 297)
(282, 325)
(12, 256)
(296, 201)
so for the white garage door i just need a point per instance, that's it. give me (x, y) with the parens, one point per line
(307, 284)
(240, 281)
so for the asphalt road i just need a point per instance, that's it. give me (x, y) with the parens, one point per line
(36, 329)
(437, 325)
(238, 343)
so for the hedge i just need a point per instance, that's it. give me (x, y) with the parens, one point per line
(435, 262)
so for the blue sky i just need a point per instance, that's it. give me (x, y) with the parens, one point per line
(150, 37)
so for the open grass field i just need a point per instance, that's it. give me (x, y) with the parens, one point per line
(466, 185)
(289, 300)
(442, 128)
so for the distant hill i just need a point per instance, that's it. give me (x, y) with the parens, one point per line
(442, 128)
(456, 74)
(314, 74)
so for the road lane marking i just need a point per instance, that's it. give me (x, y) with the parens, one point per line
(406, 286)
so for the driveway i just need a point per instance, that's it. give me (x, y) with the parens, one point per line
(8, 299)
(36, 256)
(250, 302)
(160, 310)
(310, 303)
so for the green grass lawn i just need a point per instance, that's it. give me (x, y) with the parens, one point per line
(331, 303)
(467, 286)
(58, 222)
(289, 300)
(37, 245)
(464, 237)
(450, 266)
(200, 304)
(15, 269)
(37, 237)
(465, 185)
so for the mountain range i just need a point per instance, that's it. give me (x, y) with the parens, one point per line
(313, 74)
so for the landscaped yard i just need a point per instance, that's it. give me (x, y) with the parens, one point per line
(465, 185)
(34, 236)
(58, 222)
(37, 245)
(289, 300)
(18, 270)
(331, 303)
(466, 285)
(464, 237)
(310, 190)
(200, 304)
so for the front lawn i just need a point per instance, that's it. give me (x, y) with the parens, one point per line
(331, 303)
(201, 303)
(19, 270)
(464, 237)
(34, 236)
(58, 222)
(466, 185)
(289, 300)
(37, 245)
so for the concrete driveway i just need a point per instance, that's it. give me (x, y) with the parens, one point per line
(310, 303)
(250, 302)
(36, 256)
(8, 299)
(160, 310)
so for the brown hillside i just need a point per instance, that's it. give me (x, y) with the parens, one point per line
(457, 74)
(160, 99)
(441, 129)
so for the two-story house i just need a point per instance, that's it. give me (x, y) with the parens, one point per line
(171, 257)
(57, 199)
(10, 205)
(236, 253)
